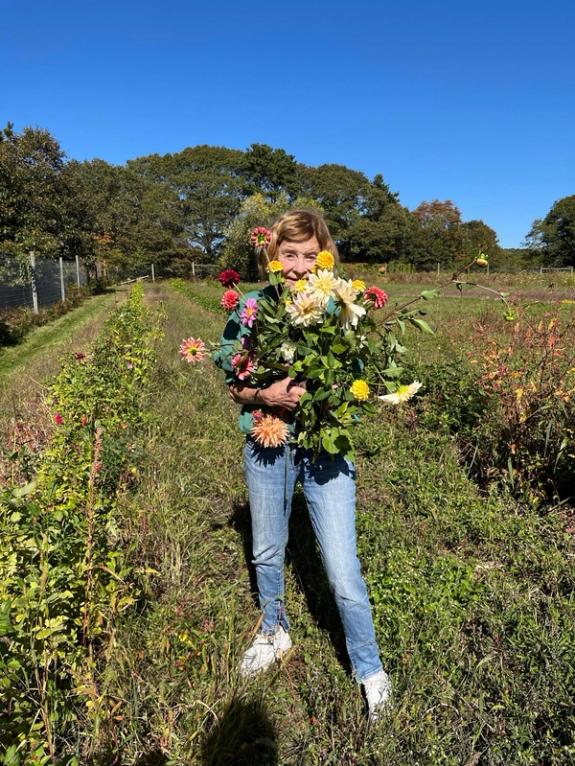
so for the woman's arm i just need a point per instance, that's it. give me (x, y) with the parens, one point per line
(283, 393)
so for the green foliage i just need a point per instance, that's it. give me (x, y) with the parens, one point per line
(511, 406)
(15, 325)
(472, 597)
(63, 576)
(205, 301)
(134, 219)
(39, 211)
(554, 235)
(272, 172)
(341, 192)
(381, 240)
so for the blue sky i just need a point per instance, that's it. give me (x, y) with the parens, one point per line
(463, 101)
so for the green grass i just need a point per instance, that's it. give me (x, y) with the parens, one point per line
(52, 336)
(26, 369)
(473, 603)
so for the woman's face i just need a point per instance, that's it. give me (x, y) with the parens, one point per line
(297, 258)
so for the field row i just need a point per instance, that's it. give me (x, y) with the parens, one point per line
(472, 591)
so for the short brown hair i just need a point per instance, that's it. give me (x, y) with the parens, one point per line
(298, 226)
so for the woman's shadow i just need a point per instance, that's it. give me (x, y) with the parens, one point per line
(303, 558)
(242, 736)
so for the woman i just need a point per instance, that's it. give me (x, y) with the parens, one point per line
(328, 485)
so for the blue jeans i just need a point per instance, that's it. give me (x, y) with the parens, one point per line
(329, 489)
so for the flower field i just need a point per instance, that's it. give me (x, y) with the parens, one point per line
(126, 588)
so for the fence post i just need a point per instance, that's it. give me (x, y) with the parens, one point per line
(33, 282)
(153, 274)
(78, 270)
(193, 269)
(438, 269)
(62, 286)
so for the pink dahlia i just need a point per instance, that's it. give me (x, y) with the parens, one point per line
(243, 365)
(230, 300)
(229, 278)
(192, 350)
(249, 312)
(58, 419)
(260, 237)
(376, 296)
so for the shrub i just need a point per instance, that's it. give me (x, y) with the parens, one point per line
(511, 404)
(16, 324)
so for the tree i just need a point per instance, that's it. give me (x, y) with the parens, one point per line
(342, 193)
(135, 220)
(440, 237)
(39, 210)
(270, 172)
(381, 240)
(554, 235)
(207, 182)
(479, 237)
(379, 199)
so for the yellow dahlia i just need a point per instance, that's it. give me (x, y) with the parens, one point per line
(274, 266)
(360, 390)
(299, 286)
(325, 260)
(358, 284)
(269, 431)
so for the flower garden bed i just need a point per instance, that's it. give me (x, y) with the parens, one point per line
(63, 573)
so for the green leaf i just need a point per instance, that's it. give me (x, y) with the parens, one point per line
(422, 325)
(328, 444)
(5, 622)
(11, 756)
(428, 295)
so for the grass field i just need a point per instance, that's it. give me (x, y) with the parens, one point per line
(472, 591)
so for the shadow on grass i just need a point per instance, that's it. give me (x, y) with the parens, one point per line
(303, 557)
(243, 736)
(155, 758)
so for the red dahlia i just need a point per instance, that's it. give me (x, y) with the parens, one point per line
(229, 278)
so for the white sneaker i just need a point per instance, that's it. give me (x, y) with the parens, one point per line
(264, 651)
(377, 690)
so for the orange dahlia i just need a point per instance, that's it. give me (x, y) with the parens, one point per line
(269, 431)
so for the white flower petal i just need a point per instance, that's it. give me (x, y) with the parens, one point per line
(403, 393)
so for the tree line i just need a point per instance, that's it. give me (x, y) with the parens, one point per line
(196, 205)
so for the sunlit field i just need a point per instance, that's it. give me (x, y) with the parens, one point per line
(126, 585)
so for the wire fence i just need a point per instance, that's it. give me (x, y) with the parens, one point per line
(40, 285)
(153, 271)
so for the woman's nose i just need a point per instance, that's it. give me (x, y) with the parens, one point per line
(301, 266)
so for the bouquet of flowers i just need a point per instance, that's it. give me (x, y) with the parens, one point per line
(327, 333)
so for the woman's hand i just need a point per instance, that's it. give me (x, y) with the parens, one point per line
(284, 393)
